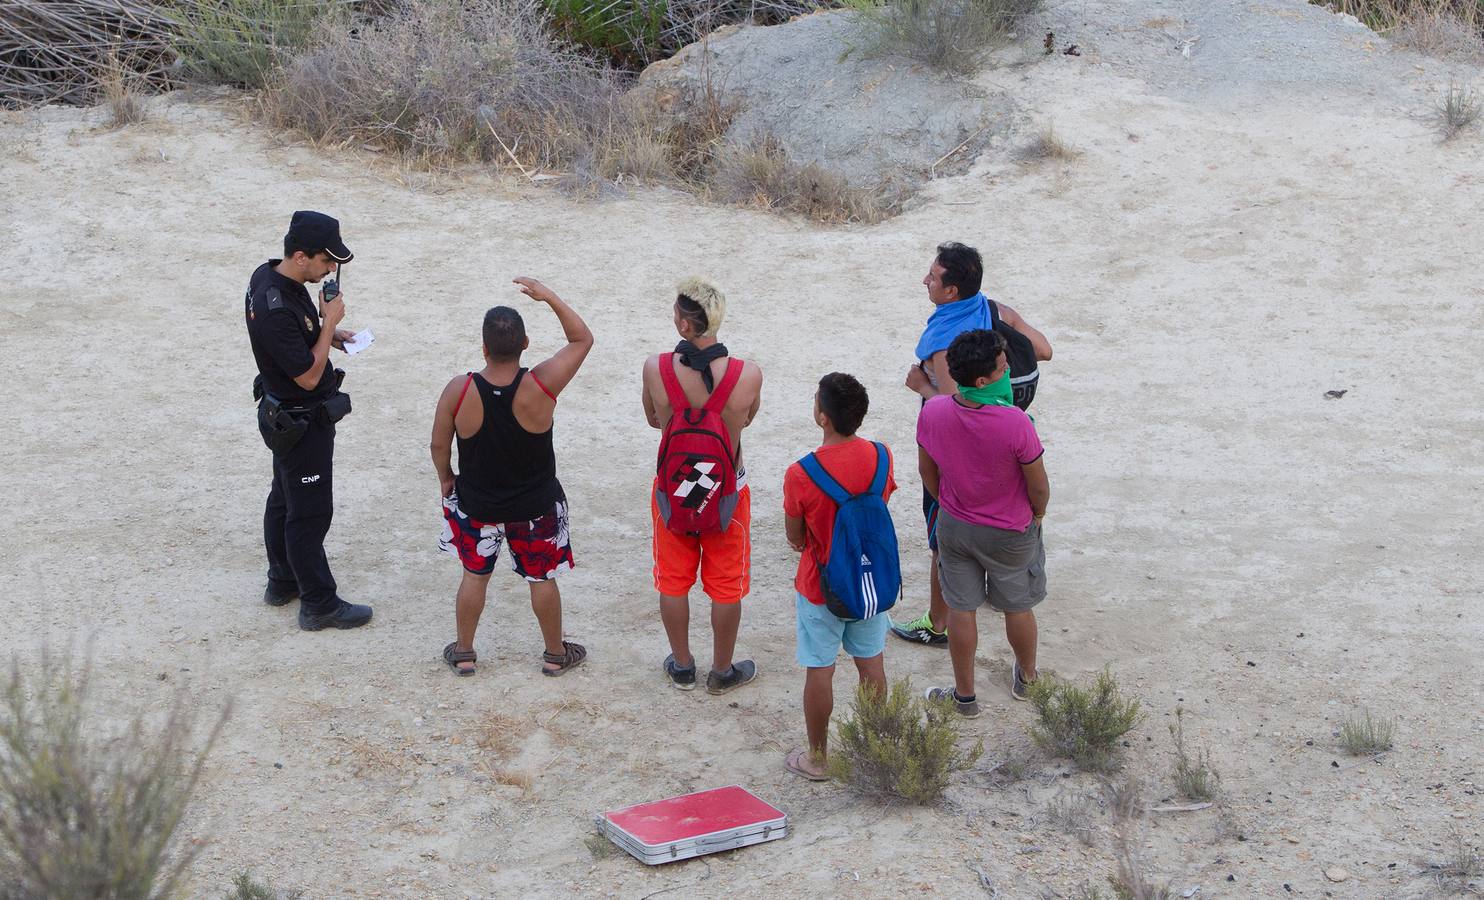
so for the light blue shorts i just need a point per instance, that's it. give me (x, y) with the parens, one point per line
(821, 634)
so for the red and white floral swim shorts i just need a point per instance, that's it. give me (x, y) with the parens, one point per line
(540, 549)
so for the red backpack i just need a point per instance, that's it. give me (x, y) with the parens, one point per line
(697, 488)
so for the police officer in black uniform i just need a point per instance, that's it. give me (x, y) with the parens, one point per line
(299, 403)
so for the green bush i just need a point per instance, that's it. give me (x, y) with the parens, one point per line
(242, 42)
(1083, 724)
(628, 32)
(899, 746)
(86, 811)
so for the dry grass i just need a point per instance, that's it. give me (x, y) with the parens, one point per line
(121, 90)
(1462, 870)
(447, 82)
(500, 734)
(951, 35)
(512, 778)
(1194, 777)
(1047, 144)
(443, 82)
(1439, 27)
(761, 174)
(1125, 797)
(364, 756)
(600, 846)
(1363, 735)
(1130, 880)
(1074, 814)
(1458, 109)
(246, 887)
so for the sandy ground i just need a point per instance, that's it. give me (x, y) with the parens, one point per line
(1220, 534)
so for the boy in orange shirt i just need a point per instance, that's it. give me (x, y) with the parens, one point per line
(839, 407)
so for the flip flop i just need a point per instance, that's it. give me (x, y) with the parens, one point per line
(453, 656)
(794, 763)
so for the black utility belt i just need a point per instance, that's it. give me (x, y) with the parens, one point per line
(283, 425)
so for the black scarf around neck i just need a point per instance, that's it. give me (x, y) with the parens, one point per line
(692, 357)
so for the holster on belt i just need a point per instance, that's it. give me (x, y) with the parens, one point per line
(282, 427)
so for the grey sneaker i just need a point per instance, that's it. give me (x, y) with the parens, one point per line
(969, 709)
(741, 672)
(1019, 687)
(683, 678)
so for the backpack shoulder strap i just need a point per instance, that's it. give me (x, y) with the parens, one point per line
(723, 392)
(883, 463)
(823, 480)
(468, 380)
(673, 390)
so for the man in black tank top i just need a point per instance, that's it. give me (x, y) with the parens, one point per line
(506, 490)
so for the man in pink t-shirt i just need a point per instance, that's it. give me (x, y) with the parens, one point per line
(982, 461)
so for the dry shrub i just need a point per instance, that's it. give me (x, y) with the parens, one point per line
(951, 35)
(1129, 880)
(1443, 27)
(446, 81)
(1195, 778)
(1075, 815)
(1080, 723)
(1462, 870)
(86, 810)
(761, 174)
(443, 82)
(52, 50)
(1125, 797)
(899, 746)
(120, 89)
(1458, 109)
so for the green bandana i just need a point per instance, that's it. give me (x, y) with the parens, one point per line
(996, 393)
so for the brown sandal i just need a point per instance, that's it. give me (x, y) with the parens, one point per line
(564, 662)
(453, 656)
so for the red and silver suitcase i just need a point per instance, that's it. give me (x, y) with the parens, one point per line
(693, 825)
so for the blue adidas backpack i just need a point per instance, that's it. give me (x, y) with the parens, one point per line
(863, 575)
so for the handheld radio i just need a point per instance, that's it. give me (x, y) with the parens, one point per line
(331, 289)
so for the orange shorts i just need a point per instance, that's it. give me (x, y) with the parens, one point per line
(725, 559)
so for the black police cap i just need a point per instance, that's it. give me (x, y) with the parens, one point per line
(315, 230)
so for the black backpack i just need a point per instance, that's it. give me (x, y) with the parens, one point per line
(1021, 354)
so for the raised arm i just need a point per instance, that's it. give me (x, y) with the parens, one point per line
(555, 373)
(1038, 340)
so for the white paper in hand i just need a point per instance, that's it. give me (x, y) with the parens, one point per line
(362, 340)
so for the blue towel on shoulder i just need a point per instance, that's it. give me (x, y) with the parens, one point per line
(951, 320)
